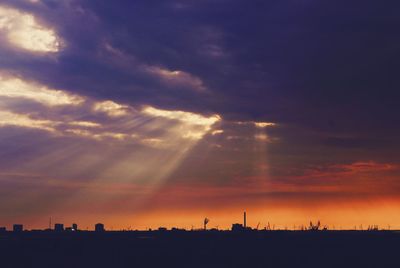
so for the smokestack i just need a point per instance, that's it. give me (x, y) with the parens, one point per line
(244, 219)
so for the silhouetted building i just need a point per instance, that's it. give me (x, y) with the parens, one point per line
(177, 230)
(18, 228)
(74, 227)
(237, 227)
(99, 227)
(59, 227)
(3, 229)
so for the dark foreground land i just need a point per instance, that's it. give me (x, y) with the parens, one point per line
(200, 249)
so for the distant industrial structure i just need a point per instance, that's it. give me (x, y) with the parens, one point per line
(317, 227)
(17, 228)
(58, 227)
(237, 227)
(99, 227)
(206, 221)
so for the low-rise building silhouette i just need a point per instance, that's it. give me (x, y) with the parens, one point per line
(99, 227)
(18, 228)
(58, 227)
(237, 227)
(3, 229)
(74, 227)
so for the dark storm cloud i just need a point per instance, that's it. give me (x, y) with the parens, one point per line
(320, 64)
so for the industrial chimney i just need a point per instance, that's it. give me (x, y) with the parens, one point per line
(244, 219)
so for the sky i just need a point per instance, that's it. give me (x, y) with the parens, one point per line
(141, 114)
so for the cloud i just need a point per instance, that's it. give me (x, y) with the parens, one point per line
(20, 120)
(257, 124)
(361, 176)
(85, 124)
(13, 87)
(217, 132)
(23, 31)
(186, 117)
(111, 108)
(262, 137)
(98, 135)
(189, 125)
(194, 126)
(366, 167)
(264, 124)
(176, 78)
(172, 79)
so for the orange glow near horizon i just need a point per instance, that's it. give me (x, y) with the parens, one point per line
(342, 215)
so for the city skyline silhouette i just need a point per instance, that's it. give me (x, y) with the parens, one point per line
(235, 227)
